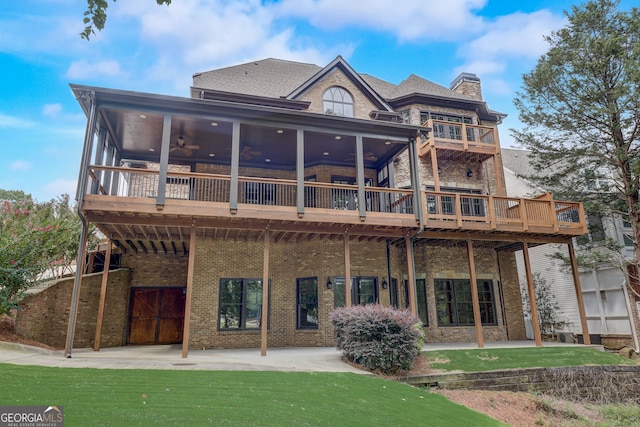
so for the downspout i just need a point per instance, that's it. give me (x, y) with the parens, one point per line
(415, 184)
(82, 186)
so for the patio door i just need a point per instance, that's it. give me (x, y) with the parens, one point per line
(156, 315)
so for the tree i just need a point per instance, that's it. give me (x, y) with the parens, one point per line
(13, 195)
(581, 110)
(34, 237)
(95, 16)
(546, 304)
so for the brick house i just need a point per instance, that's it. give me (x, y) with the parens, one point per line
(240, 213)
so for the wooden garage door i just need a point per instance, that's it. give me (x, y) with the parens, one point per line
(156, 315)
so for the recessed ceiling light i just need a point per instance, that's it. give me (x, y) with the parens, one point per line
(338, 137)
(212, 155)
(326, 153)
(142, 116)
(279, 131)
(214, 124)
(152, 149)
(387, 143)
(267, 160)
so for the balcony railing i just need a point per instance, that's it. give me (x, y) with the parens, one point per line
(441, 210)
(462, 135)
(480, 212)
(143, 183)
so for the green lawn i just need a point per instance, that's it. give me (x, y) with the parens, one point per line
(507, 358)
(102, 397)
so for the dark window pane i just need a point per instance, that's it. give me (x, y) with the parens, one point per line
(338, 292)
(421, 290)
(454, 304)
(307, 303)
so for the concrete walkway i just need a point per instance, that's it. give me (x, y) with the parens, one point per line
(305, 359)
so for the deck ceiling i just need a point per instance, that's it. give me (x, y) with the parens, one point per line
(138, 135)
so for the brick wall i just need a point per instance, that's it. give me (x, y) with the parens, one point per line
(44, 316)
(288, 260)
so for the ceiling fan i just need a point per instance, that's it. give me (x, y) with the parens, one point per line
(247, 153)
(181, 145)
(368, 156)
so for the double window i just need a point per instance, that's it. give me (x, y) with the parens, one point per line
(454, 306)
(364, 290)
(240, 304)
(337, 101)
(307, 305)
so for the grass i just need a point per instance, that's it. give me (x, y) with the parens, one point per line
(106, 397)
(621, 415)
(508, 358)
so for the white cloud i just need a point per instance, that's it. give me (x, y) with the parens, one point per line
(518, 34)
(515, 36)
(409, 20)
(7, 121)
(52, 110)
(497, 86)
(198, 35)
(83, 69)
(58, 187)
(20, 165)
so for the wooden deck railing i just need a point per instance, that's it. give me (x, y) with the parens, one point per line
(143, 183)
(462, 135)
(480, 212)
(441, 210)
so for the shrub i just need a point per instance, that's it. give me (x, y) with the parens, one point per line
(378, 338)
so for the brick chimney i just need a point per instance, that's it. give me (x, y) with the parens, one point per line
(467, 84)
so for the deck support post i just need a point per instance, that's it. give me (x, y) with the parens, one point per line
(75, 295)
(264, 319)
(411, 277)
(532, 295)
(103, 297)
(477, 318)
(188, 297)
(576, 283)
(347, 271)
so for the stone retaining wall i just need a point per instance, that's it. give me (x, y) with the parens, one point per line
(595, 384)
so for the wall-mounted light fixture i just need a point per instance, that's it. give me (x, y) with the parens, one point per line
(384, 283)
(329, 284)
(469, 173)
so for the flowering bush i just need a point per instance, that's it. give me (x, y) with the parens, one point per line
(378, 338)
(33, 237)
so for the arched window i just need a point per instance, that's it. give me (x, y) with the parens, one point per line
(338, 102)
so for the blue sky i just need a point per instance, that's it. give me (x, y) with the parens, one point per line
(157, 49)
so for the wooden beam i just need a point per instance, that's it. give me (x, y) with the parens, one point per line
(164, 247)
(153, 246)
(477, 318)
(75, 297)
(347, 271)
(578, 288)
(532, 295)
(411, 280)
(103, 297)
(187, 304)
(264, 320)
(434, 168)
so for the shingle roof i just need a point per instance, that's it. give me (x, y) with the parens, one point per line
(268, 77)
(517, 161)
(278, 78)
(417, 85)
